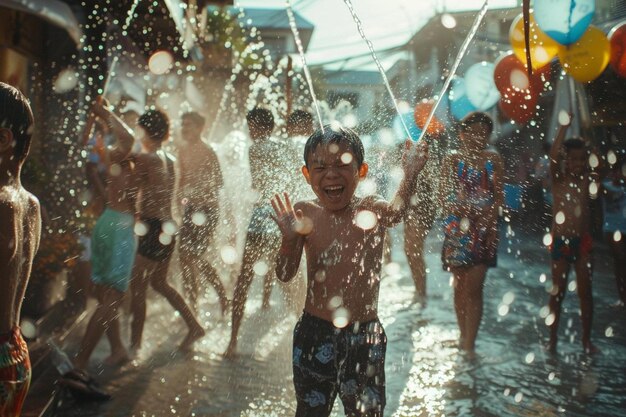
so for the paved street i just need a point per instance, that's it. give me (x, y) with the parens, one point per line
(426, 375)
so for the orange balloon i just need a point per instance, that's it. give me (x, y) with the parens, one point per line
(422, 110)
(542, 47)
(585, 59)
(617, 36)
(510, 73)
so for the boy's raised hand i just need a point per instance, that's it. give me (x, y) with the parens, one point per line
(286, 218)
(414, 158)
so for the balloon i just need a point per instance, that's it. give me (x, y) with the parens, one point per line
(565, 21)
(519, 106)
(409, 121)
(460, 106)
(421, 113)
(510, 73)
(586, 59)
(542, 47)
(617, 37)
(480, 87)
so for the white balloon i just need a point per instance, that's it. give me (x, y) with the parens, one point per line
(480, 86)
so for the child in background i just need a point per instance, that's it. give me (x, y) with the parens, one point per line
(571, 238)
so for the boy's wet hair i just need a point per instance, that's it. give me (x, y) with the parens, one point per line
(299, 116)
(156, 124)
(195, 117)
(17, 116)
(476, 117)
(574, 144)
(260, 118)
(335, 135)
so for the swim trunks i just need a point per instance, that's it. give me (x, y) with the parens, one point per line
(150, 245)
(469, 246)
(113, 249)
(571, 249)
(196, 238)
(349, 361)
(15, 373)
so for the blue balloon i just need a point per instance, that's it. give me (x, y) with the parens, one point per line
(460, 105)
(565, 21)
(409, 121)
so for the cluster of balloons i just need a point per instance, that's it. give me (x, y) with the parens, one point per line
(558, 28)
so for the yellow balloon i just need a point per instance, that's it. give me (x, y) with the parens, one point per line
(588, 57)
(542, 47)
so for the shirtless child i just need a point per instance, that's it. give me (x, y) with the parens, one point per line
(20, 228)
(339, 343)
(112, 240)
(571, 240)
(156, 178)
(200, 182)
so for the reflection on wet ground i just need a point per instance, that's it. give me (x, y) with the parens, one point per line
(426, 374)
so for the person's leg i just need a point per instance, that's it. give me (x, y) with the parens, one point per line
(190, 279)
(119, 354)
(459, 303)
(474, 282)
(139, 289)
(618, 252)
(560, 270)
(414, 236)
(158, 279)
(211, 275)
(583, 270)
(108, 303)
(242, 285)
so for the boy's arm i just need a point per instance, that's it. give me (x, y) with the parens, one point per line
(124, 138)
(413, 160)
(556, 152)
(288, 259)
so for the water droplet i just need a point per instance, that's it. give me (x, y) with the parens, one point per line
(165, 239)
(519, 397)
(608, 332)
(448, 21)
(169, 228)
(571, 286)
(333, 148)
(65, 81)
(593, 188)
(564, 117)
(617, 236)
(547, 239)
(530, 357)
(141, 229)
(366, 219)
(198, 218)
(160, 62)
(228, 254)
(550, 319)
(261, 268)
(593, 160)
(346, 157)
(341, 317)
(503, 309)
(335, 302)
(559, 218)
(115, 170)
(465, 224)
(542, 278)
(611, 157)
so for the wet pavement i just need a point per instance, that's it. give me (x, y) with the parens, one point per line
(426, 374)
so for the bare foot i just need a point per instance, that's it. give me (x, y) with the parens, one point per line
(231, 351)
(590, 348)
(117, 358)
(193, 335)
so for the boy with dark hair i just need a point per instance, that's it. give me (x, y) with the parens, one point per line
(571, 238)
(156, 229)
(339, 343)
(200, 182)
(262, 236)
(20, 229)
(112, 239)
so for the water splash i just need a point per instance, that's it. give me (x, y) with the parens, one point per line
(307, 73)
(359, 26)
(111, 72)
(455, 66)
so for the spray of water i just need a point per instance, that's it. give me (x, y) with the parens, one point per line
(307, 73)
(359, 26)
(129, 18)
(455, 66)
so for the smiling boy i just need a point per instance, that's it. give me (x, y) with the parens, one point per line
(339, 343)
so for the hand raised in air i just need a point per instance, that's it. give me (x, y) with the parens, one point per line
(414, 158)
(288, 221)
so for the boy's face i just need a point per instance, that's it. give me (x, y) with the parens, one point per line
(576, 161)
(333, 174)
